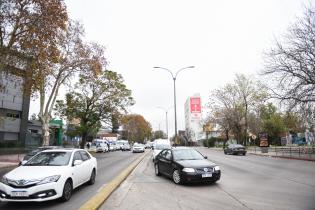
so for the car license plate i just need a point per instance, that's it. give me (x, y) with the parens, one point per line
(206, 175)
(19, 194)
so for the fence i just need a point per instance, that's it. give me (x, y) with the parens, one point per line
(301, 152)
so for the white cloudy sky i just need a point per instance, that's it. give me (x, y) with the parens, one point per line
(220, 38)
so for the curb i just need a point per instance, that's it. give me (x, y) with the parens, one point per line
(97, 200)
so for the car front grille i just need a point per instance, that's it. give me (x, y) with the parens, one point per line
(204, 170)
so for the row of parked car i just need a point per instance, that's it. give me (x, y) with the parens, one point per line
(101, 145)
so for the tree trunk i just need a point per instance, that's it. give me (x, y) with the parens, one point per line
(226, 138)
(83, 142)
(45, 129)
(246, 123)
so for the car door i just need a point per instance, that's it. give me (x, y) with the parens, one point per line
(166, 161)
(160, 162)
(78, 170)
(87, 164)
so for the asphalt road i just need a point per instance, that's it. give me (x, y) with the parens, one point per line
(109, 165)
(247, 182)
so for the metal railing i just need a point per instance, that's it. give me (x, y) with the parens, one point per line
(301, 152)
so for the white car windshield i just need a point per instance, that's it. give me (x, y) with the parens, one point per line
(50, 159)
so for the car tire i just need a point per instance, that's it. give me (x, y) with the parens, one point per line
(156, 170)
(177, 179)
(225, 152)
(92, 177)
(67, 191)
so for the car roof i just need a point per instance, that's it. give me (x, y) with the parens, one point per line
(63, 150)
(181, 148)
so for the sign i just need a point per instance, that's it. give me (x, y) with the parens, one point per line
(263, 140)
(195, 105)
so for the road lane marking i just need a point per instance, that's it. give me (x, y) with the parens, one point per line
(97, 200)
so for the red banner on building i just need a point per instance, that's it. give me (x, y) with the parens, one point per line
(195, 105)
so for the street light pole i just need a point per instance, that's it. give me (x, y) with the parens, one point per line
(174, 80)
(166, 118)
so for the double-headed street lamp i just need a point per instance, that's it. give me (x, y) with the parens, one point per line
(166, 120)
(174, 79)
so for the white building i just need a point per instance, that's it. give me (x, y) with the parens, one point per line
(193, 117)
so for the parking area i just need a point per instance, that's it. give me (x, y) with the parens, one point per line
(247, 182)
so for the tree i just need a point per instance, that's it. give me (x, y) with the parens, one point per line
(28, 30)
(232, 104)
(136, 128)
(74, 57)
(291, 64)
(159, 134)
(272, 122)
(93, 100)
(115, 122)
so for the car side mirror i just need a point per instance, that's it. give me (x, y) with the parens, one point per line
(206, 157)
(77, 162)
(23, 162)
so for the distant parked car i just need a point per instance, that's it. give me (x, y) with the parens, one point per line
(99, 145)
(184, 164)
(112, 146)
(49, 175)
(120, 144)
(34, 152)
(137, 148)
(235, 149)
(126, 147)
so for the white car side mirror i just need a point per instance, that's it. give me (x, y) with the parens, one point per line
(23, 162)
(77, 162)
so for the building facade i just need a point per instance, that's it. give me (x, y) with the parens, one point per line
(14, 108)
(193, 117)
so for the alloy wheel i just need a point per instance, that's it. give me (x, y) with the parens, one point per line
(176, 177)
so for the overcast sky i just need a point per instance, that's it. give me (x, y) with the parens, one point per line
(220, 38)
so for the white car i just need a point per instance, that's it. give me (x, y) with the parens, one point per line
(159, 145)
(137, 148)
(49, 175)
(125, 147)
(100, 145)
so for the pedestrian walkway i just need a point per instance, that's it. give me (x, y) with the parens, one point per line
(10, 160)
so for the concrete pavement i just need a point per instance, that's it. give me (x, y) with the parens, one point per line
(247, 182)
(10, 160)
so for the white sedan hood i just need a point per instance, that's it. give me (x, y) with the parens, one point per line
(34, 172)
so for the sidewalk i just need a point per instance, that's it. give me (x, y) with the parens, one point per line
(10, 160)
(305, 157)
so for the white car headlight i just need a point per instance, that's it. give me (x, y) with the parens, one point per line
(216, 168)
(189, 170)
(49, 179)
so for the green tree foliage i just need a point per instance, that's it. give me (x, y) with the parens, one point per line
(93, 101)
(136, 128)
(272, 123)
(159, 134)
